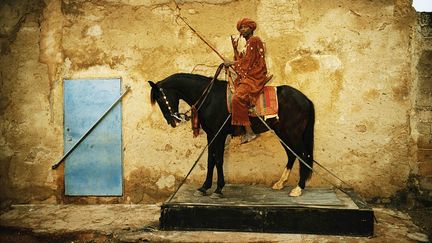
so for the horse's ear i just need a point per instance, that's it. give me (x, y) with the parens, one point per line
(152, 84)
(152, 92)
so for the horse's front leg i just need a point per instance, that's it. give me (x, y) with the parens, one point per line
(202, 191)
(219, 148)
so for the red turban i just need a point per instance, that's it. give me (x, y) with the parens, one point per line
(248, 22)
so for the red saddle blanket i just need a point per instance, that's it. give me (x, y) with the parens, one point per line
(266, 104)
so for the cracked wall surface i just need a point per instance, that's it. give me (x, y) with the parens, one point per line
(353, 59)
(421, 114)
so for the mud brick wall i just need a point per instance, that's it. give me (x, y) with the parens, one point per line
(423, 104)
(364, 64)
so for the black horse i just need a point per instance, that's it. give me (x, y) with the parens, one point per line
(294, 125)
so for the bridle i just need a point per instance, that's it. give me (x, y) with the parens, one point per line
(183, 117)
(176, 115)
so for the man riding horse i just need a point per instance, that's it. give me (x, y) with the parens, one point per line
(295, 131)
(251, 70)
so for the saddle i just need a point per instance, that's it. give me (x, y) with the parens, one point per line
(266, 104)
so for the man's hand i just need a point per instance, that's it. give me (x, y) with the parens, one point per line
(228, 62)
(234, 42)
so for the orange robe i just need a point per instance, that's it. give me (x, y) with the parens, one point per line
(252, 75)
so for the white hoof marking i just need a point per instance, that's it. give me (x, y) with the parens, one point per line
(296, 192)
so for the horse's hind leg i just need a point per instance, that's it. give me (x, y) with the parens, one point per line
(299, 150)
(286, 173)
(305, 173)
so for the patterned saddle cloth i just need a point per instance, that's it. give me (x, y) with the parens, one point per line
(266, 104)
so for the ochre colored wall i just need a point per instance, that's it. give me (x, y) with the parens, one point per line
(421, 114)
(352, 58)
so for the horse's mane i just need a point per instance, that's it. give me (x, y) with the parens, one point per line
(173, 79)
(177, 77)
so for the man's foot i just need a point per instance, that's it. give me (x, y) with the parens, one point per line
(248, 137)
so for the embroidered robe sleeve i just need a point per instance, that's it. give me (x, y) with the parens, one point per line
(251, 64)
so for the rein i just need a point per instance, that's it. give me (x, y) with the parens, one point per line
(207, 89)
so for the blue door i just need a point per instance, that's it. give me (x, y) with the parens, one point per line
(94, 168)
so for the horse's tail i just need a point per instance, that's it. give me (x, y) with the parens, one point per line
(308, 141)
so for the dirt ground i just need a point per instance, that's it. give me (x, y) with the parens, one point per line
(139, 223)
(422, 218)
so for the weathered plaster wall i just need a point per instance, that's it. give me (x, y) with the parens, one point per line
(352, 58)
(421, 114)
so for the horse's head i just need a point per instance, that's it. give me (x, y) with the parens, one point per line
(168, 102)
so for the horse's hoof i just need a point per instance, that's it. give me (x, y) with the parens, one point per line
(199, 193)
(278, 186)
(296, 192)
(216, 195)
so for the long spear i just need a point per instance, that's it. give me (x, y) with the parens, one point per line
(205, 41)
(196, 32)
